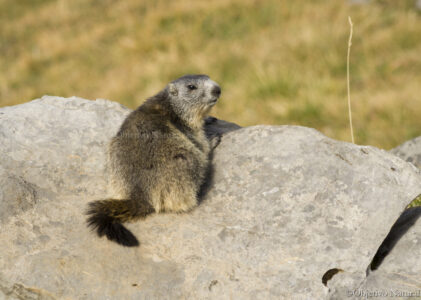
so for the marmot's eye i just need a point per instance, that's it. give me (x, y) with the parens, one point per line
(191, 87)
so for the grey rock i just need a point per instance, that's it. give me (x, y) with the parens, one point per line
(410, 151)
(286, 205)
(16, 194)
(54, 143)
(398, 275)
(18, 292)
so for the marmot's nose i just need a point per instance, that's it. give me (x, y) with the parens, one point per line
(216, 91)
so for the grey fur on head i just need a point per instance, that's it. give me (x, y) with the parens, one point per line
(192, 96)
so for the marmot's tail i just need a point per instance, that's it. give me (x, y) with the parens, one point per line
(106, 216)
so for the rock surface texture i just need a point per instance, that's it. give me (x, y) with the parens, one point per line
(399, 275)
(410, 151)
(286, 204)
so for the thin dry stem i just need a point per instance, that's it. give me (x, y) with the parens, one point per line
(347, 79)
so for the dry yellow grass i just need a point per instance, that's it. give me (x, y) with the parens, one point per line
(279, 62)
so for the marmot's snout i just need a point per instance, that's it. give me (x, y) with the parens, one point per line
(216, 91)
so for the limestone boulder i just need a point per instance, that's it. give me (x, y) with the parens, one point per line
(410, 151)
(285, 205)
(396, 263)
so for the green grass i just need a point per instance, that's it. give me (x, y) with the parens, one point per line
(416, 202)
(277, 62)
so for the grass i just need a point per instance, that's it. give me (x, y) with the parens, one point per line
(415, 203)
(277, 62)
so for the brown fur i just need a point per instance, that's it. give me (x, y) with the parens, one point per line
(159, 158)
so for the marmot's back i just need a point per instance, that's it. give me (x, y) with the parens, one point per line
(159, 158)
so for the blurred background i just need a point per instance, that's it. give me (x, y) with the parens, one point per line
(278, 62)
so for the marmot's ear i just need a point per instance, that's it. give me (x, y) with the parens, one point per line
(173, 89)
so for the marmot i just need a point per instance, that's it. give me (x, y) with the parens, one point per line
(159, 158)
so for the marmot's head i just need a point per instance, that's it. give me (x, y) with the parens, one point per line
(192, 96)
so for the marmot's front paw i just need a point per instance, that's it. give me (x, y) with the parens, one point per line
(215, 139)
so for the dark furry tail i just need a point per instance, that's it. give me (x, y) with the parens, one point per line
(106, 216)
